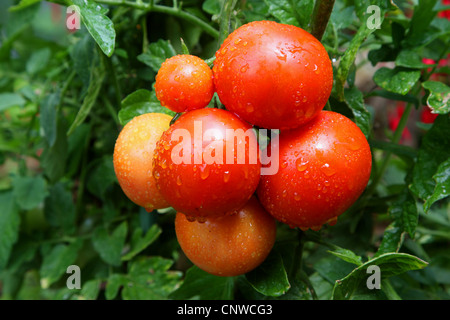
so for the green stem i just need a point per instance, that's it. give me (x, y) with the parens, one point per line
(321, 15)
(210, 61)
(112, 111)
(225, 18)
(82, 181)
(174, 11)
(65, 88)
(115, 81)
(144, 34)
(297, 262)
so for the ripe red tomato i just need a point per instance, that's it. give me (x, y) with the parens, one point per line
(183, 83)
(273, 75)
(230, 245)
(132, 158)
(207, 163)
(325, 165)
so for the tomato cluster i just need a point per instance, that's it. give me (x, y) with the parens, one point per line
(208, 165)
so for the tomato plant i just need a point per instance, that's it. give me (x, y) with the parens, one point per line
(80, 78)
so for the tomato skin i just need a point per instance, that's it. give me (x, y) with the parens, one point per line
(132, 158)
(273, 75)
(230, 245)
(184, 82)
(197, 186)
(325, 165)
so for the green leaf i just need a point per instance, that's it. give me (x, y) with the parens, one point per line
(297, 13)
(439, 98)
(95, 84)
(48, 117)
(115, 281)
(90, 290)
(195, 282)
(110, 246)
(156, 53)
(211, 6)
(270, 278)
(55, 262)
(53, 159)
(81, 54)
(355, 101)
(347, 255)
(101, 176)
(98, 24)
(397, 80)
(348, 59)
(38, 61)
(9, 226)
(392, 239)
(434, 150)
(29, 192)
(8, 100)
(140, 102)
(341, 17)
(410, 59)
(23, 4)
(404, 212)
(390, 264)
(59, 208)
(147, 279)
(442, 188)
(423, 16)
(139, 242)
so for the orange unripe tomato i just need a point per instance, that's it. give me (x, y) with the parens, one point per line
(230, 245)
(325, 165)
(133, 158)
(184, 83)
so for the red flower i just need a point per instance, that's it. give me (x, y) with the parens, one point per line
(445, 13)
(426, 116)
(394, 119)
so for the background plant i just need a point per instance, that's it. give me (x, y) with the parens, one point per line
(64, 96)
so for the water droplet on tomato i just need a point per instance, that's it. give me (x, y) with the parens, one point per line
(329, 171)
(201, 219)
(301, 165)
(244, 68)
(226, 176)
(190, 218)
(204, 172)
(179, 182)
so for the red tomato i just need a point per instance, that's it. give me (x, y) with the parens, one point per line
(324, 167)
(273, 75)
(229, 245)
(183, 83)
(207, 163)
